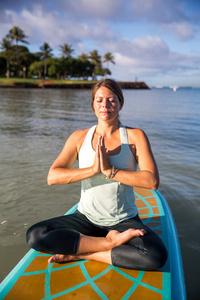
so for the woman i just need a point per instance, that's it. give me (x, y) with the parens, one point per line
(106, 227)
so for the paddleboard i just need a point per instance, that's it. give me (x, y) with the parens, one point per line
(33, 278)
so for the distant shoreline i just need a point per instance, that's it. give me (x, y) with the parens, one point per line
(61, 84)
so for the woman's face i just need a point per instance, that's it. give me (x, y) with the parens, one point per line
(106, 104)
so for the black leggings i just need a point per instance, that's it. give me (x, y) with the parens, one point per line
(61, 236)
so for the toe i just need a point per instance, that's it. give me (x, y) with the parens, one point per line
(50, 260)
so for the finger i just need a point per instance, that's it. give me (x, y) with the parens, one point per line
(142, 232)
(97, 150)
(100, 153)
(100, 140)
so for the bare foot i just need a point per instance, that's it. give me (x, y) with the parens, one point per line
(58, 258)
(113, 239)
(119, 238)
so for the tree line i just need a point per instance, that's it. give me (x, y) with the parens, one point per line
(17, 61)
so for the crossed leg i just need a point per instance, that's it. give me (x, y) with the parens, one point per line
(99, 248)
(74, 237)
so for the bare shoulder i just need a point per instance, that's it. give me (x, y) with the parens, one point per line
(77, 137)
(81, 133)
(135, 135)
(140, 146)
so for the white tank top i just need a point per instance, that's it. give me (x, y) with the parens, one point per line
(104, 201)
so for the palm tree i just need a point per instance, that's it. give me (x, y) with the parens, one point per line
(46, 53)
(83, 57)
(66, 50)
(108, 57)
(16, 34)
(95, 58)
(6, 45)
(86, 67)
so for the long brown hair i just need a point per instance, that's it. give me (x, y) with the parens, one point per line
(110, 84)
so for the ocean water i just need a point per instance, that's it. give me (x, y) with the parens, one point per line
(34, 125)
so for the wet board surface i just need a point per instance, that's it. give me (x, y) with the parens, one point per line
(33, 278)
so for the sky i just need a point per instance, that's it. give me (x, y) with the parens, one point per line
(155, 41)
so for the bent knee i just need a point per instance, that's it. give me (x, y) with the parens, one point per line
(29, 238)
(163, 257)
(32, 237)
(157, 259)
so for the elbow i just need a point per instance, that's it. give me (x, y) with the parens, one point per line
(50, 179)
(155, 183)
(155, 187)
(49, 182)
(55, 177)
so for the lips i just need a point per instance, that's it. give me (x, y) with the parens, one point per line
(105, 112)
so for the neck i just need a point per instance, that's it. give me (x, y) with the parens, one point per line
(106, 129)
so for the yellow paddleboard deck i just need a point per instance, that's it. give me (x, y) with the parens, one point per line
(33, 278)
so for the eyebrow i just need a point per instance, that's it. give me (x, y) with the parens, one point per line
(106, 97)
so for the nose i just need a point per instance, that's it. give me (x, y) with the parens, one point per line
(105, 102)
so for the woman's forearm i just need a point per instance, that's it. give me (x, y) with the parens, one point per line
(66, 176)
(145, 179)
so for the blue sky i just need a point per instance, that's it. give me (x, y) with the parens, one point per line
(157, 41)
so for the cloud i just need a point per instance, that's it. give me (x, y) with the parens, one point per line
(158, 11)
(89, 25)
(170, 15)
(42, 26)
(147, 48)
(152, 56)
(183, 30)
(84, 9)
(81, 18)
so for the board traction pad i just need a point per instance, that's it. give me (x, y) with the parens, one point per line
(33, 278)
